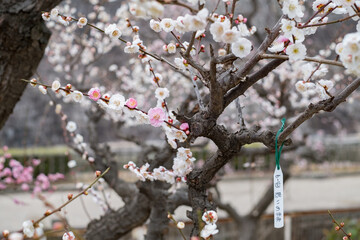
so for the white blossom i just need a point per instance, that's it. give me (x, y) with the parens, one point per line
(349, 52)
(82, 22)
(71, 126)
(179, 25)
(296, 51)
(292, 8)
(54, 13)
(209, 230)
(68, 236)
(16, 236)
(42, 89)
(55, 85)
(154, 9)
(132, 48)
(28, 228)
(180, 225)
(217, 30)
(241, 48)
(171, 48)
(161, 93)
(71, 164)
(230, 36)
(112, 31)
(77, 96)
(117, 102)
(155, 25)
(167, 24)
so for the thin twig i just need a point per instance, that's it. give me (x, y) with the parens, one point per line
(326, 105)
(70, 200)
(161, 59)
(309, 59)
(339, 225)
(197, 92)
(103, 99)
(328, 23)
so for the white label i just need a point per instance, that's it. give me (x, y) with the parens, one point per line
(278, 199)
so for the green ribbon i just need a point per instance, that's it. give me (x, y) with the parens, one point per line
(278, 150)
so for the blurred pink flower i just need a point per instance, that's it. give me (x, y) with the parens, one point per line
(5, 173)
(55, 177)
(36, 162)
(25, 187)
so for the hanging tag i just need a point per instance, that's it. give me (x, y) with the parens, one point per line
(278, 198)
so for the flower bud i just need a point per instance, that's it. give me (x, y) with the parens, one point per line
(180, 225)
(6, 233)
(70, 196)
(98, 173)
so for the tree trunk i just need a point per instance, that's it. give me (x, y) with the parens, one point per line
(23, 39)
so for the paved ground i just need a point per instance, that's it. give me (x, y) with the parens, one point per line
(301, 194)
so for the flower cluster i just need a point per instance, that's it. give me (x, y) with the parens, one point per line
(349, 52)
(182, 24)
(183, 163)
(29, 231)
(68, 236)
(222, 32)
(143, 173)
(210, 218)
(295, 33)
(54, 15)
(144, 9)
(18, 174)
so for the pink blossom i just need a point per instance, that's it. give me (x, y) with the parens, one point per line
(7, 155)
(42, 181)
(18, 202)
(8, 180)
(26, 175)
(13, 163)
(282, 39)
(184, 126)
(55, 177)
(94, 94)
(131, 103)
(156, 116)
(2, 186)
(25, 187)
(36, 162)
(17, 171)
(5, 172)
(37, 189)
(5, 148)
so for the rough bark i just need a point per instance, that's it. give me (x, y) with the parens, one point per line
(23, 39)
(116, 224)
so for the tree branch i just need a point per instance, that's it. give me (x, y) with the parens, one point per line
(250, 80)
(309, 59)
(327, 105)
(256, 56)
